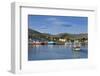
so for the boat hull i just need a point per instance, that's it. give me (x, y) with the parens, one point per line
(76, 48)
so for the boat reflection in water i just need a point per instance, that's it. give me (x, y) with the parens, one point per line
(52, 52)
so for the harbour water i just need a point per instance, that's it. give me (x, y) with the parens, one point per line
(53, 52)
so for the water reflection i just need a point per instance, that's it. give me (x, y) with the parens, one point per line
(75, 54)
(49, 52)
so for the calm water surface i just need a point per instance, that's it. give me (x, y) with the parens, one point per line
(51, 52)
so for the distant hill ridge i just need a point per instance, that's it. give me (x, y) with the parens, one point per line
(36, 34)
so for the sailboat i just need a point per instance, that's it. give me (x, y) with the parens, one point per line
(76, 45)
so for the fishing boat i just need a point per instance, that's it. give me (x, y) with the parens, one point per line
(76, 46)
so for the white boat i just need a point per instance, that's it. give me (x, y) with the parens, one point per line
(76, 48)
(76, 45)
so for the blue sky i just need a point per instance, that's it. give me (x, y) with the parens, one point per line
(58, 24)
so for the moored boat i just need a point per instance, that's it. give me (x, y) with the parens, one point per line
(76, 46)
(51, 43)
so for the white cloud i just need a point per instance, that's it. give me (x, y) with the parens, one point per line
(57, 22)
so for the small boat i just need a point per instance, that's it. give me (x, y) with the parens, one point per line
(36, 43)
(51, 43)
(76, 46)
(44, 43)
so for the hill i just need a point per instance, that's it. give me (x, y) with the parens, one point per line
(48, 37)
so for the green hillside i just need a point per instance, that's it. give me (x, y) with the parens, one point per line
(48, 37)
